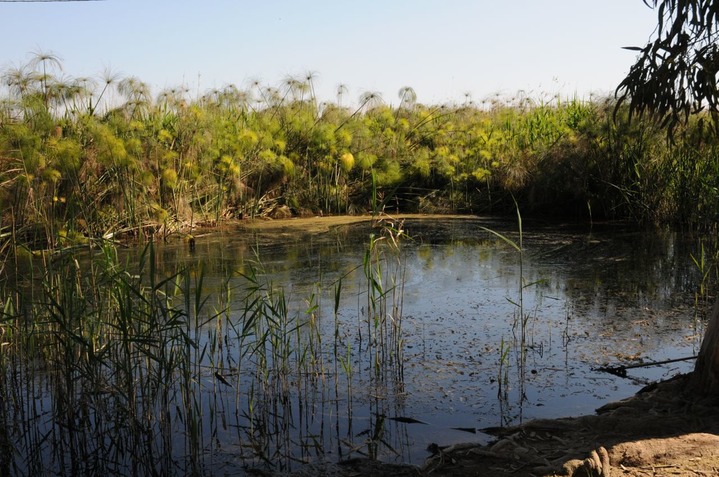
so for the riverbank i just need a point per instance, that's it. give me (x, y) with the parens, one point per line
(658, 432)
(322, 224)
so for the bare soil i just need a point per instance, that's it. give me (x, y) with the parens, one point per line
(660, 431)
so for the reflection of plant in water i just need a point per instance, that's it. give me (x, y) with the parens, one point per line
(520, 323)
(112, 356)
(503, 377)
(385, 284)
(287, 356)
(141, 376)
(226, 382)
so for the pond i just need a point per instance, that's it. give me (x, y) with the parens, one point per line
(362, 341)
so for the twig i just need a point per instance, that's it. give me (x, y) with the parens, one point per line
(622, 370)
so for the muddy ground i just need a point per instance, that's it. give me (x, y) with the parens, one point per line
(323, 224)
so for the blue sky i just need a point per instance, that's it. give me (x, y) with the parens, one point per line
(441, 48)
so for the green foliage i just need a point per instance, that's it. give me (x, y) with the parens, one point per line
(142, 166)
(675, 74)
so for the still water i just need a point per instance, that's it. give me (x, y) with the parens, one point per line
(276, 348)
(476, 335)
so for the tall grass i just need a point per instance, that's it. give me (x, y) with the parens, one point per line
(116, 366)
(522, 341)
(113, 353)
(384, 270)
(72, 169)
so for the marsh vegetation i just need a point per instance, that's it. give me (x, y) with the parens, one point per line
(88, 158)
(246, 350)
(364, 341)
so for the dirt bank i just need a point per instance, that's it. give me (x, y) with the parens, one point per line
(321, 224)
(658, 432)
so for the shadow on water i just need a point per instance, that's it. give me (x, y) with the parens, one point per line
(274, 349)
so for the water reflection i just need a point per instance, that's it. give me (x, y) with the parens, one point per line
(598, 296)
(473, 337)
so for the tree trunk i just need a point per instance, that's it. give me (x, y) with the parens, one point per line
(705, 379)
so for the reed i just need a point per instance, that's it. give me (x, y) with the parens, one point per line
(706, 263)
(112, 365)
(108, 344)
(522, 340)
(385, 274)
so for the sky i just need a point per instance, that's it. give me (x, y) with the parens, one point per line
(443, 49)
